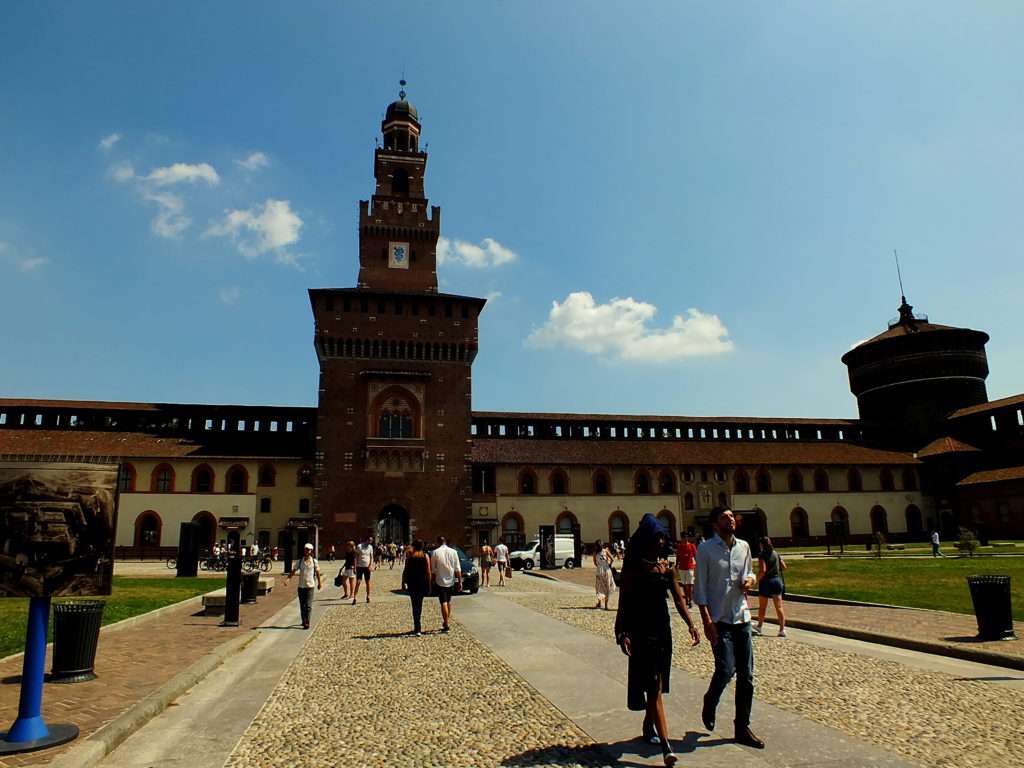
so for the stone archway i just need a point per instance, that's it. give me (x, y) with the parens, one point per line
(393, 524)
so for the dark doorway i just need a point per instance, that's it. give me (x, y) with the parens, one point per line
(234, 539)
(207, 530)
(393, 524)
(751, 525)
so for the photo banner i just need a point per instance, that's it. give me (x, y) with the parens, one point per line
(398, 255)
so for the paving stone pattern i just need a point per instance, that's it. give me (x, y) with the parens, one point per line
(365, 692)
(930, 718)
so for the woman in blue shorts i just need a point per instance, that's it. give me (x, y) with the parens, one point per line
(770, 585)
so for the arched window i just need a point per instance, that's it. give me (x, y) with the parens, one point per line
(618, 526)
(821, 480)
(559, 482)
(688, 500)
(395, 414)
(879, 520)
(798, 526)
(202, 479)
(885, 479)
(527, 482)
(741, 481)
(162, 480)
(602, 482)
(126, 480)
(763, 481)
(909, 480)
(841, 517)
(666, 482)
(147, 529)
(796, 481)
(400, 183)
(915, 524)
(687, 475)
(512, 530)
(267, 476)
(237, 479)
(642, 482)
(304, 477)
(854, 482)
(668, 522)
(564, 522)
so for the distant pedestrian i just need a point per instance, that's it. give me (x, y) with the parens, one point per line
(444, 563)
(501, 560)
(936, 552)
(416, 579)
(724, 577)
(770, 585)
(604, 582)
(308, 570)
(643, 629)
(486, 561)
(348, 571)
(364, 564)
(330, 553)
(686, 565)
(392, 554)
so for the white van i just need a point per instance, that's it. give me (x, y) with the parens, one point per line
(529, 556)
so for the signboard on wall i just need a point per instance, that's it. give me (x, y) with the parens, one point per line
(398, 255)
(57, 524)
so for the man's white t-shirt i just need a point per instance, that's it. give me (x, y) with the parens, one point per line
(445, 564)
(935, 537)
(255, 550)
(364, 555)
(501, 553)
(307, 572)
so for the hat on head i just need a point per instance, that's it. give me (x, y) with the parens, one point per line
(308, 546)
(651, 526)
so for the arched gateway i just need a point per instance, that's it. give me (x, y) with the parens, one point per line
(393, 524)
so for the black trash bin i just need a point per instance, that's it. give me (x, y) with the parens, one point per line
(76, 632)
(992, 606)
(250, 581)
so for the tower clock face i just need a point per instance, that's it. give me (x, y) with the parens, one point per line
(398, 255)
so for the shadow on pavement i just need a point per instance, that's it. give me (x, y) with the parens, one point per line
(615, 753)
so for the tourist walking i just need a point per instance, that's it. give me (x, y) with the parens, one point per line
(936, 552)
(724, 577)
(486, 560)
(770, 585)
(308, 570)
(348, 571)
(501, 559)
(686, 564)
(604, 582)
(644, 632)
(444, 564)
(416, 580)
(364, 564)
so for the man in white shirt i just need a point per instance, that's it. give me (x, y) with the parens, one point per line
(501, 558)
(444, 564)
(308, 571)
(364, 566)
(725, 575)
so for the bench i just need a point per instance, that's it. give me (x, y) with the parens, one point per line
(265, 585)
(895, 546)
(213, 603)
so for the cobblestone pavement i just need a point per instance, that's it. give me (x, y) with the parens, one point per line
(365, 692)
(931, 718)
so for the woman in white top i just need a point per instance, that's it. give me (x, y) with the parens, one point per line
(309, 579)
(604, 583)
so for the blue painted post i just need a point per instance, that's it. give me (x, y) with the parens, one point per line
(30, 726)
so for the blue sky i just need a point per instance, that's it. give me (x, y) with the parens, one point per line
(757, 165)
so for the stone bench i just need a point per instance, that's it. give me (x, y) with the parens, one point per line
(1003, 545)
(213, 603)
(265, 585)
(895, 546)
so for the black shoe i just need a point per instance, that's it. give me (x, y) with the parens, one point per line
(707, 716)
(746, 737)
(649, 734)
(444, 628)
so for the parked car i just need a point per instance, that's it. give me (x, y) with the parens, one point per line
(529, 557)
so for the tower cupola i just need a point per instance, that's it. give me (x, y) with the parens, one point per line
(401, 124)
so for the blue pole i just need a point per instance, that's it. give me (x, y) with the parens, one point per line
(30, 726)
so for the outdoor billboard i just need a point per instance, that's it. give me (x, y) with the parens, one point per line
(57, 525)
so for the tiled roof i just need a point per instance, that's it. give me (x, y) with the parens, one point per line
(991, 406)
(906, 329)
(56, 442)
(993, 476)
(596, 417)
(655, 452)
(944, 445)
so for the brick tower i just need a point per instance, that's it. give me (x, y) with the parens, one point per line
(393, 421)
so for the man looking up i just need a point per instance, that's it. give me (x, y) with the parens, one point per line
(444, 564)
(724, 575)
(364, 562)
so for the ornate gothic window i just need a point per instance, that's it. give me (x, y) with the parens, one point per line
(396, 417)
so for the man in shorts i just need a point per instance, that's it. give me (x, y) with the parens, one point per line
(444, 564)
(501, 560)
(686, 567)
(364, 563)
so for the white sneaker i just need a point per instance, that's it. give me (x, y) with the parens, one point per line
(782, 633)
(756, 629)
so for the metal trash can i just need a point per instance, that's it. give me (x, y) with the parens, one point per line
(250, 581)
(76, 632)
(992, 606)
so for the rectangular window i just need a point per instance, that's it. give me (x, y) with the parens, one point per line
(273, 426)
(265, 505)
(346, 305)
(288, 426)
(703, 434)
(689, 433)
(72, 421)
(208, 425)
(241, 425)
(39, 420)
(303, 506)
(472, 429)
(728, 434)
(991, 418)
(3, 418)
(1020, 418)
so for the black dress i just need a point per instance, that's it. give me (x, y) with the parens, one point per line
(646, 620)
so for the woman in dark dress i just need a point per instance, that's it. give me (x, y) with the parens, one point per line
(416, 579)
(643, 628)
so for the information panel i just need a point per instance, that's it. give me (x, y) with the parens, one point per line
(57, 526)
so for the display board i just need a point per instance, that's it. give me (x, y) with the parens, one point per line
(57, 527)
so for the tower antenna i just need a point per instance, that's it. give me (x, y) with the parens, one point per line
(899, 276)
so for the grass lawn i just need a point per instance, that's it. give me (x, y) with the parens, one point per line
(130, 597)
(917, 583)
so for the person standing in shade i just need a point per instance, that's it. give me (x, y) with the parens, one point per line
(686, 563)
(444, 563)
(416, 579)
(309, 580)
(644, 631)
(364, 565)
(604, 583)
(936, 552)
(770, 585)
(724, 577)
(501, 559)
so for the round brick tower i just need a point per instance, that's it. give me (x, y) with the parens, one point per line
(909, 378)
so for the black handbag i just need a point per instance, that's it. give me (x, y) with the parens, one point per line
(337, 580)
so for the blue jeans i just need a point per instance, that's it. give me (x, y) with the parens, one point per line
(734, 655)
(305, 603)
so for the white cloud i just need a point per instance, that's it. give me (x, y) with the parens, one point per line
(32, 263)
(122, 172)
(171, 219)
(619, 330)
(254, 162)
(182, 172)
(107, 142)
(230, 295)
(489, 253)
(23, 263)
(493, 295)
(271, 227)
